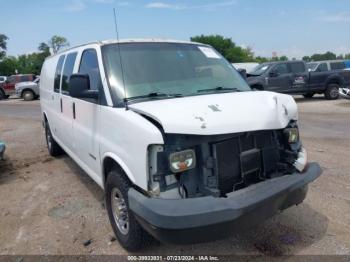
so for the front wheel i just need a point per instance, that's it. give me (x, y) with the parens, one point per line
(2, 95)
(127, 230)
(28, 95)
(332, 92)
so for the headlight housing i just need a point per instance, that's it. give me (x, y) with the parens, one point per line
(292, 135)
(182, 161)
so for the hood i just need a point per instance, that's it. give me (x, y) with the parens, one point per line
(225, 113)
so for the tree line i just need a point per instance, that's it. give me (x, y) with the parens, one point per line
(28, 63)
(32, 63)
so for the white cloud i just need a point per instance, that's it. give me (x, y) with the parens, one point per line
(80, 5)
(339, 17)
(76, 6)
(162, 5)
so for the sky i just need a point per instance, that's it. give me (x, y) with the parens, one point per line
(289, 27)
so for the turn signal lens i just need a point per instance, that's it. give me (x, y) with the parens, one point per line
(182, 161)
(292, 135)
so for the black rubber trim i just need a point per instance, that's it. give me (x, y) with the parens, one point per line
(242, 208)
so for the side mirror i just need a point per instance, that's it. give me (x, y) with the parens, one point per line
(273, 74)
(79, 87)
(243, 73)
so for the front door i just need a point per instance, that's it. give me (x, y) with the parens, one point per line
(280, 78)
(87, 112)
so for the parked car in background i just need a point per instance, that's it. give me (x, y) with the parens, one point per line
(248, 67)
(28, 90)
(8, 87)
(213, 156)
(324, 66)
(293, 77)
(2, 79)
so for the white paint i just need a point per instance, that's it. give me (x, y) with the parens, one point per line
(124, 135)
(239, 112)
(246, 66)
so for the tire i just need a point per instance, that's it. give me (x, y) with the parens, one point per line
(28, 95)
(52, 146)
(332, 92)
(2, 95)
(128, 231)
(308, 95)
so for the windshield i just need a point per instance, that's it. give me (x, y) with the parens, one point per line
(312, 66)
(168, 69)
(260, 69)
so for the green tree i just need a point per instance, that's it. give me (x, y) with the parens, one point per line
(225, 46)
(8, 66)
(306, 58)
(326, 56)
(283, 58)
(57, 42)
(3, 45)
(347, 56)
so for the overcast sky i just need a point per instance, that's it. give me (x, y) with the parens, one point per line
(289, 27)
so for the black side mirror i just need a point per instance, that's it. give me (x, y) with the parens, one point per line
(79, 87)
(243, 73)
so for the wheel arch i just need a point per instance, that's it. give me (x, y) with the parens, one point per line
(27, 89)
(335, 80)
(111, 161)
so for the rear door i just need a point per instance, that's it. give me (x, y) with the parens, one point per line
(87, 112)
(66, 106)
(318, 77)
(299, 77)
(279, 79)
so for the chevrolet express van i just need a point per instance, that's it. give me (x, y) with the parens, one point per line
(185, 151)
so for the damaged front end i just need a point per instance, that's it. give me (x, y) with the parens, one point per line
(190, 166)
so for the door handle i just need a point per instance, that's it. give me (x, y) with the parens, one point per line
(73, 110)
(61, 105)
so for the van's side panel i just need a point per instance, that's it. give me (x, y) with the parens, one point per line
(128, 135)
(50, 104)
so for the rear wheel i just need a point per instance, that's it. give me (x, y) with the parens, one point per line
(28, 95)
(332, 92)
(52, 146)
(308, 95)
(127, 230)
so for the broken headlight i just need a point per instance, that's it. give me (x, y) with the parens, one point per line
(291, 134)
(182, 161)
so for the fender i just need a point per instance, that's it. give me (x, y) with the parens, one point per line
(335, 78)
(120, 162)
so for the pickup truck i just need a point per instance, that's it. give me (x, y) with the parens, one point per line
(7, 88)
(293, 77)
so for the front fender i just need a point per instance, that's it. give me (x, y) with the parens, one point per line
(120, 162)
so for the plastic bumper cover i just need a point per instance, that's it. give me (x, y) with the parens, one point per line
(193, 220)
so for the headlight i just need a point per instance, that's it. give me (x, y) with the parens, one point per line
(292, 135)
(182, 161)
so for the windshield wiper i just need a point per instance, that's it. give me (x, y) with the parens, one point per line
(154, 95)
(219, 89)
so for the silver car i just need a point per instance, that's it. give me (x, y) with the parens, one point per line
(28, 90)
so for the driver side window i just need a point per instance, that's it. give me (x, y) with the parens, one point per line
(89, 66)
(281, 69)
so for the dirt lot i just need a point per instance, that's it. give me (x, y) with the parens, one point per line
(50, 206)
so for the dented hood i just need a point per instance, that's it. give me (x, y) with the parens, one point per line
(215, 114)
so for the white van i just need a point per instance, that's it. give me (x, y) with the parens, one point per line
(183, 148)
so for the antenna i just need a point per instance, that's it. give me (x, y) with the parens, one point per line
(120, 57)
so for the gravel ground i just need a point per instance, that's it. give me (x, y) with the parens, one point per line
(51, 207)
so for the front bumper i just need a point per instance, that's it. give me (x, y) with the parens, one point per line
(186, 221)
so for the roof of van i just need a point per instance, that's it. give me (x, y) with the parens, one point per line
(133, 40)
